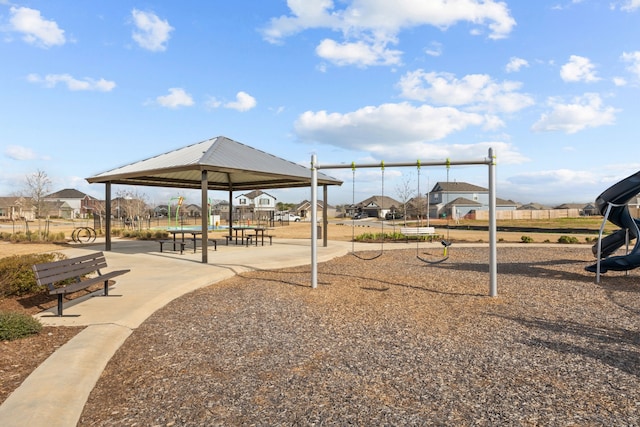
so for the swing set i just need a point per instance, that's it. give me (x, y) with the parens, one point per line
(490, 161)
(445, 243)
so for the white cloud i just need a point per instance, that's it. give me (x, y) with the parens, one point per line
(583, 112)
(553, 186)
(212, 102)
(400, 132)
(434, 49)
(34, 28)
(633, 59)
(478, 92)
(619, 81)
(51, 80)
(377, 23)
(578, 69)
(384, 127)
(177, 98)
(17, 152)
(152, 33)
(630, 5)
(516, 64)
(243, 102)
(359, 53)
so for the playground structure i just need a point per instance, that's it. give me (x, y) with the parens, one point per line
(490, 161)
(213, 221)
(612, 204)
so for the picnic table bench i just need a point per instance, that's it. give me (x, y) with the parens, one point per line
(50, 273)
(417, 231)
(175, 243)
(182, 244)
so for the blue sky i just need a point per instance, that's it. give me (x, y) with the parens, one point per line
(552, 86)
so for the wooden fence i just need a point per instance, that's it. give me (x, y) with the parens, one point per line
(530, 214)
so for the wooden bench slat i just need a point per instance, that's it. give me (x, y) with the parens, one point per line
(50, 273)
(87, 282)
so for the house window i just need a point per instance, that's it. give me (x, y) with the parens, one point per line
(242, 201)
(475, 197)
(264, 202)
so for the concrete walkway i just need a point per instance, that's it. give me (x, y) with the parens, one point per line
(56, 392)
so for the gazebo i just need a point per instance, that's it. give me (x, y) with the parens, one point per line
(219, 163)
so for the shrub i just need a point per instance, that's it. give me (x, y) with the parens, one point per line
(17, 325)
(32, 237)
(526, 239)
(568, 239)
(16, 275)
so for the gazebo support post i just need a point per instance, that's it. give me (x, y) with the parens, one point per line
(230, 206)
(325, 219)
(205, 219)
(107, 197)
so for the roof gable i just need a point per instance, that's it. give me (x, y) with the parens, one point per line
(379, 201)
(228, 163)
(461, 201)
(67, 193)
(457, 187)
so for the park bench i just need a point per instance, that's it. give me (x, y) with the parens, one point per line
(50, 273)
(417, 232)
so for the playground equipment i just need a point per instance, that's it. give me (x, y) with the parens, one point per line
(612, 204)
(353, 225)
(212, 220)
(180, 200)
(445, 243)
(490, 161)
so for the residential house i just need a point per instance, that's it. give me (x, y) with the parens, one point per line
(17, 208)
(220, 208)
(192, 211)
(303, 210)
(532, 207)
(58, 209)
(256, 205)
(459, 199)
(374, 206)
(591, 209)
(80, 203)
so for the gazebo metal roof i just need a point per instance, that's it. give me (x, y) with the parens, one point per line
(229, 165)
(215, 164)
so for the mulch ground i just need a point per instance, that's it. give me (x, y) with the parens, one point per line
(392, 341)
(18, 358)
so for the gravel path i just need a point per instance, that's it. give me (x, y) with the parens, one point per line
(392, 341)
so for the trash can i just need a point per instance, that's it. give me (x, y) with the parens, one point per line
(319, 231)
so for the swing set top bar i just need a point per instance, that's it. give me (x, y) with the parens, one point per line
(417, 163)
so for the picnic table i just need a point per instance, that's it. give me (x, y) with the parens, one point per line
(244, 234)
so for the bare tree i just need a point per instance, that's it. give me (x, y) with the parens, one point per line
(405, 192)
(134, 206)
(38, 186)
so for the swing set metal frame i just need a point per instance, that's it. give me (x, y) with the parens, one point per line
(489, 161)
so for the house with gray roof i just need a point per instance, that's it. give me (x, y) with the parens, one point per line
(374, 206)
(458, 199)
(81, 204)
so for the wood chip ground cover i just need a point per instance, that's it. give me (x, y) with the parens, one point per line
(392, 341)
